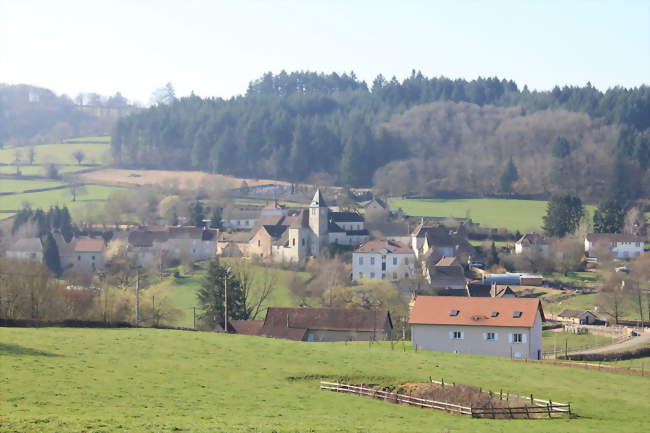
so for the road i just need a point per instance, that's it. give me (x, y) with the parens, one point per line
(633, 341)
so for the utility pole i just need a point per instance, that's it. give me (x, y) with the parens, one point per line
(137, 300)
(225, 302)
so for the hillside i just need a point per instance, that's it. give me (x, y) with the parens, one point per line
(293, 126)
(88, 380)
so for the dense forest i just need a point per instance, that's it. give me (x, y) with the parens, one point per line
(483, 136)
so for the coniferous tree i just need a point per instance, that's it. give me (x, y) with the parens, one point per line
(51, 256)
(215, 220)
(196, 214)
(211, 296)
(609, 217)
(563, 215)
(509, 176)
(492, 256)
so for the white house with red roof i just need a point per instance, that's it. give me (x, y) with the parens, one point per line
(508, 327)
(390, 260)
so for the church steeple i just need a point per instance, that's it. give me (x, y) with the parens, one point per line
(318, 200)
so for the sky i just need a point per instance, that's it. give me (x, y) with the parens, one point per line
(215, 48)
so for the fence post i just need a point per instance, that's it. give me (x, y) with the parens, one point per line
(531, 399)
(548, 406)
(443, 382)
(501, 394)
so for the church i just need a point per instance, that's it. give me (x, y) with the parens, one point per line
(292, 238)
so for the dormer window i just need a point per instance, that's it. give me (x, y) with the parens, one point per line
(454, 312)
(495, 314)
(516, 314)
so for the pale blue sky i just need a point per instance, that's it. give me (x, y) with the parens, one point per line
(216, 47)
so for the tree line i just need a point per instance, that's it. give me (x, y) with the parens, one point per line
(294, 125)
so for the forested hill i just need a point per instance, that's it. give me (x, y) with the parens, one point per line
(292, 126)
(35, 115)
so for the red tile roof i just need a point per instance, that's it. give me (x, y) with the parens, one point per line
(436, 310)
(392, 247)
(89, 245)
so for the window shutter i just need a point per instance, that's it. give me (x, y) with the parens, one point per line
(509, 338)
(496, 336)
(451, 335)
(523, 338)
(485, 336)
(462, 335)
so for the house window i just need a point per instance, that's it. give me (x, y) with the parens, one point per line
(372, 260)
(259, 242)
(454, 312)
(303, 242)
(93, 258)
(361, 260)
(78, 258)
(457, 335)
(394, 260)
(517, 338)
(516, 314)
(383, 276)
(490, 336)
(495, 314)
(406, 275)
(293, 243)
(372, 275)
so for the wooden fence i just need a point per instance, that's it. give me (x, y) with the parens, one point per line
(545, 407)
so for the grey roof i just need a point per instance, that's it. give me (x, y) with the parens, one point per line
(27, 245)
(354, 217)
(613, 237)
(241, 212)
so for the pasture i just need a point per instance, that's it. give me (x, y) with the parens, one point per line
(143, 380)
(558, 341)
(39, 170)
(522, 215)
(181, 292)
(61, 153)
(19, 185)
(45, 199)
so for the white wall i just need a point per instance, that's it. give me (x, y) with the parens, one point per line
(370, 266)
(438, 338)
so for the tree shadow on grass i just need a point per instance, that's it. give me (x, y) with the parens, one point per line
(16, 350)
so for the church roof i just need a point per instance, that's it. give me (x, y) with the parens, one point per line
(318, 200)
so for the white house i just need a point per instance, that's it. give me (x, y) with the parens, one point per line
(26, 249)
(622, 246)
(532, 242)
(508, 327)
(383, 260)
(240, 217)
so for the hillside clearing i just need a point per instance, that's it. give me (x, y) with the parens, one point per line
(19, 185)
(45, 199)
(39, 170)
(139, 380)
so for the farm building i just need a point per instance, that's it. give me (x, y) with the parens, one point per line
(531, 243)
(513, 279)
(319, 324)
(508, 327)
(580, 317)
(26, 249)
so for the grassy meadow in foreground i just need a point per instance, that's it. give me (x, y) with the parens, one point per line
(137, 380)
(522, 215)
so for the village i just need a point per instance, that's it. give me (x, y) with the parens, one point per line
(454, 303)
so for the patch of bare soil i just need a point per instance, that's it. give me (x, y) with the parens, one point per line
(183, 179)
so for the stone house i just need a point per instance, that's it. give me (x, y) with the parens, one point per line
(383, 260)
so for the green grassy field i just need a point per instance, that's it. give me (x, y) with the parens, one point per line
(102, 138)
(137, 380)
(45, 199)
(19, 185)
(556, 341)
(578, 279)
(39, 170)
(182, 291)
(58, 153)
(522, 215)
